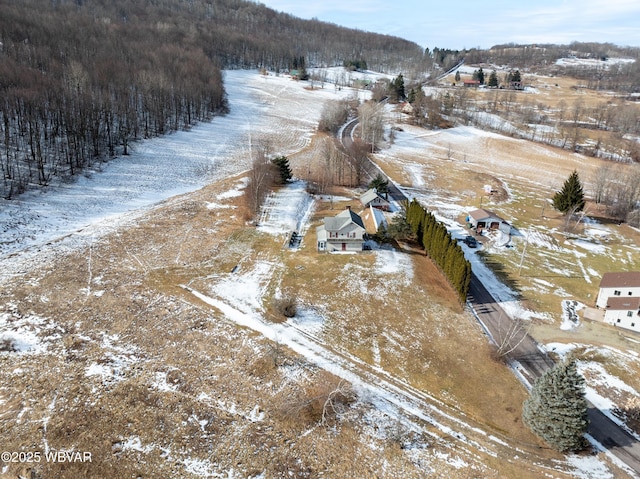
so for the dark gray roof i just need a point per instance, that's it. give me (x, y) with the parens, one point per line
(342, 219)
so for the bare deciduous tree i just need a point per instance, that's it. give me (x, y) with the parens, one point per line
(511, 336)
(261, 178)
(371, 119)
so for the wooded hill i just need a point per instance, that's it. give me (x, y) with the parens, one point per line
(81, 79)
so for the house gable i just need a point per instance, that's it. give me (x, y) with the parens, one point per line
(343, 232)
(373, 198)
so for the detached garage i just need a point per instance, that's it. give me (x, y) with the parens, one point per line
(487, 220)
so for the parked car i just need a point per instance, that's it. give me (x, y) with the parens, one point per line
(470, 241)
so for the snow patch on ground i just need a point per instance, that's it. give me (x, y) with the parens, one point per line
(24, 334)
(287, 209)
(570, 318)
(245, 289)
(390, 262)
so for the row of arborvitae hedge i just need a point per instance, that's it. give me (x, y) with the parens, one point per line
(440, 247)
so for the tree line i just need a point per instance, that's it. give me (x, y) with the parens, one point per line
(81, 80)
(440, 247)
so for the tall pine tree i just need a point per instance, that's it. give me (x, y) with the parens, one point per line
(282, 162)
(571, 197)
(557, 409)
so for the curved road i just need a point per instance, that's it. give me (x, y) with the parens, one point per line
(527, 359)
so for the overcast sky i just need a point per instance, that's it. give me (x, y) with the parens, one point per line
(462, 24)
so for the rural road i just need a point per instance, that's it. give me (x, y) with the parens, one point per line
(528, 360)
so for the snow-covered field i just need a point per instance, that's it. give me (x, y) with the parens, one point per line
(124, 188)
(39, 225)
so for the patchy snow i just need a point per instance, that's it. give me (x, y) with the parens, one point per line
(590, 246)
(100, 200)
(134, 443)
(394, 262)
(383, 393)
(597, 64)
(570, 318)
(589, 467)
(160, 383)
(20, 334)
(308, 320)
(287, 209)
(245, 289)
(234, 193)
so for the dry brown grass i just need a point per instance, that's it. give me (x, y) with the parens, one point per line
(186, 383)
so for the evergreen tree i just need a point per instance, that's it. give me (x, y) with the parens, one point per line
(479, 75)
(557, 409)
(571, 197)
(457, 77)
(493, 79)
(411, 98)
(396, 88)
(282, 162)
(380, 184)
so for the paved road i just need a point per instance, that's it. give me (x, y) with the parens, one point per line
(529, 361)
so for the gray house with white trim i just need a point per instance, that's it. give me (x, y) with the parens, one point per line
(343, 232)
(373, 198)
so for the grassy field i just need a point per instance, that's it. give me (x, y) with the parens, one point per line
(152, 381)
(131, 366)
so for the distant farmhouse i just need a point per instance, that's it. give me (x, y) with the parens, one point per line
(343, 232)
(619, 296)
(482, 219)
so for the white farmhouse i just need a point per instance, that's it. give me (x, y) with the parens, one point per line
(343, 232)
(624, 312)
(619, 296)
(618, 285)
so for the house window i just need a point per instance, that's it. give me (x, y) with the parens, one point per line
(629, 314)
(618, 320)
(616, 293)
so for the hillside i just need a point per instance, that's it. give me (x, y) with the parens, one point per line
(145, 333)
(80, 81)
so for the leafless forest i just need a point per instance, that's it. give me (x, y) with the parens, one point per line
(80, 80)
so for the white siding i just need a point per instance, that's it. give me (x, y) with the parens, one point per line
(605, 293)
(622, 319)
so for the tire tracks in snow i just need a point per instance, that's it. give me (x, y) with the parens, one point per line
(443, 424)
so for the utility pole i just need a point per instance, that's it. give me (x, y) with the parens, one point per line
(522, 256)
